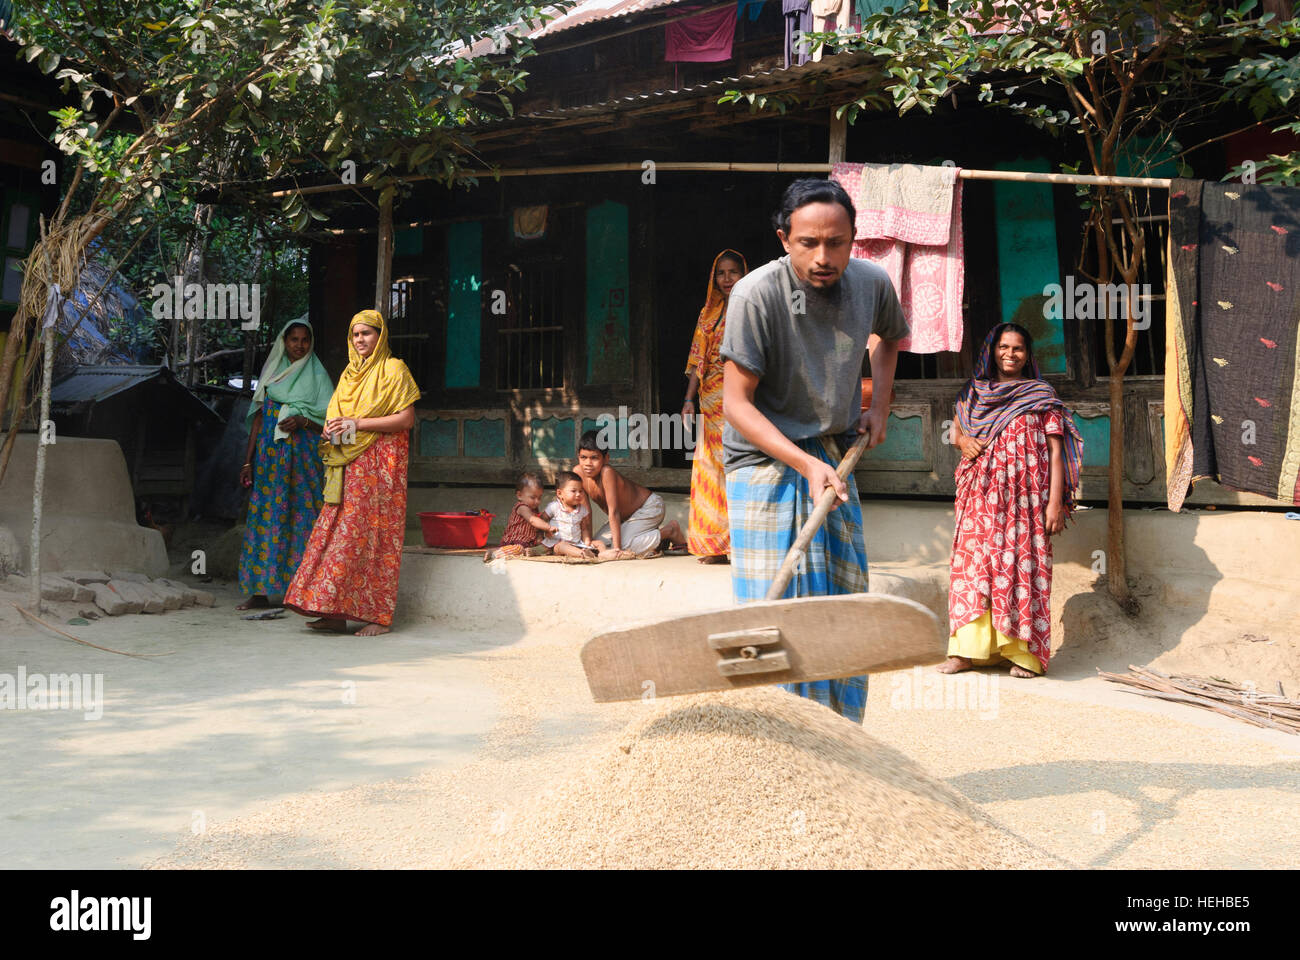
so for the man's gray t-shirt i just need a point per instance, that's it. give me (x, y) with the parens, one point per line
(809, 365)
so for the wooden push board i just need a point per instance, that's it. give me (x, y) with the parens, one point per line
(822, 638)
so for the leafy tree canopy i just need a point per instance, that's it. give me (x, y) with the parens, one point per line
(184, 96)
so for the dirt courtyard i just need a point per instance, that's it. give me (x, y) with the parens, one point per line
(261, 744)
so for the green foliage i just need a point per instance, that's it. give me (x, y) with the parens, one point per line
(183, 102)
(202, 94)
(1113, 72)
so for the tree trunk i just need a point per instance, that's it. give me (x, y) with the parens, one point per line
(192, 272)
(270, 308)
(384, 259)
(1116, 568)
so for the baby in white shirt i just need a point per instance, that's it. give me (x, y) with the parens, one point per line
(570, 519)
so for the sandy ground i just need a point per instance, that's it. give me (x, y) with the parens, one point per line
(264, 745)
(236, 716)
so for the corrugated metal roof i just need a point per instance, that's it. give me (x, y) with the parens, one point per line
(95, 383)
(100, 381)
(826, 69)
(591, 11)
(580, 14)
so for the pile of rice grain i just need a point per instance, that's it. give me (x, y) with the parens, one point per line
(755, 778)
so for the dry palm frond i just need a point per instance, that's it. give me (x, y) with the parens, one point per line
(1273, 711)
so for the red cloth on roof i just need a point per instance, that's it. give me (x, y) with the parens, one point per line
(703, 39)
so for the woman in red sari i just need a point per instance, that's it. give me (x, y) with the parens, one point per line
(1015, 488)
(350, 568)
(708, 533)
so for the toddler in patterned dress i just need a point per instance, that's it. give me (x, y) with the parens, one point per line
(525, 526)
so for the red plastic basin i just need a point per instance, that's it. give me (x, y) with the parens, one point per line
(456, 529)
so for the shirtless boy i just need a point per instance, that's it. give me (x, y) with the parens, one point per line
(635, 513)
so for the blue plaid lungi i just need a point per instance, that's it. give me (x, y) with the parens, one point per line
(767, 503)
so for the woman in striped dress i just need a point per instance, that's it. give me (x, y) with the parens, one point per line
(707, 536)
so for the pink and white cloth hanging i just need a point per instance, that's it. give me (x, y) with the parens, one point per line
(909, 222)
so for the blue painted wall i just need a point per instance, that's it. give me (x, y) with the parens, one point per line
(903, 440)
(1027, 260)
(465, 304)
(485, 438)
(438, 437)
(609, 352)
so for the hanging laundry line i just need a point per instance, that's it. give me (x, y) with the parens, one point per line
(681, 166)
(1022, 176)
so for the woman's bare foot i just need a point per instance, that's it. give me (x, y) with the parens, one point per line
(256, 602)
(371, 630)
(954, 665)
(719, 558)
(329, 624)
(1018, 671)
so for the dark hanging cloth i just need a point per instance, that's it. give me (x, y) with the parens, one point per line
(1235, 258)
(706, 38)
(798, 19)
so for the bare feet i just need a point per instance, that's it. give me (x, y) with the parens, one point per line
(720, 558)
(1018, 671)
(954, 665)
(329, 624)
(671, 533)
(564, 549)
(371, 630)
(256, 602)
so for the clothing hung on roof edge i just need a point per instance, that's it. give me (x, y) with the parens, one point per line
(706, 38)
(798, 19)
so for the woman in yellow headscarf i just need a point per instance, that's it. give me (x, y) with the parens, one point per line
(349, 570)
(708, 535)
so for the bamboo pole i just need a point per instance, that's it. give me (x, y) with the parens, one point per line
(38, 483)
(701, 166)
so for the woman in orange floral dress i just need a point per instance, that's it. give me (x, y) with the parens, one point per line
(708, 535)
(350, 568)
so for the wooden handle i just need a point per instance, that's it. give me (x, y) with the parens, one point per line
(814, 522)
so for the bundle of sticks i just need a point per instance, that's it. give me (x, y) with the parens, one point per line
(1272, 710)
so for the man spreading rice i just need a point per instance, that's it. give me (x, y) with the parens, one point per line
(797, 331)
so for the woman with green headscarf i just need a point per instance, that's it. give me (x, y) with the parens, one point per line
(283, 468)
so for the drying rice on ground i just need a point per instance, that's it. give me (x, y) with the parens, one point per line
(756, 778)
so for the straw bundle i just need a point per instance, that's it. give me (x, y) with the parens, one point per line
(1273, 711)
(57, 257)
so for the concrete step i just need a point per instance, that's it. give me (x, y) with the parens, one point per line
(523, 595)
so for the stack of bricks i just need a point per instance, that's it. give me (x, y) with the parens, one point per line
(122, 591)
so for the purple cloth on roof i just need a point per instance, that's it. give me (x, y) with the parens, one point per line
(703, 39)
(798, 19)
